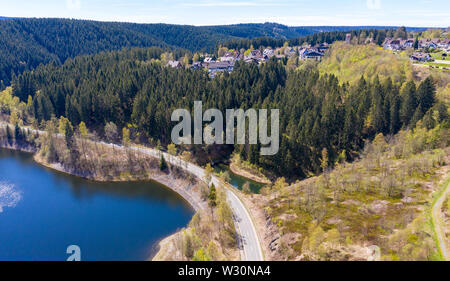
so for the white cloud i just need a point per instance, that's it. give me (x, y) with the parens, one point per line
(373, 4)
(73, 4)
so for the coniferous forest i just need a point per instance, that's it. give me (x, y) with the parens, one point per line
(132, 88)
(26, 43)
(364, 144)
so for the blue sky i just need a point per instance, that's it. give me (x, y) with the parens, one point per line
(211, 12)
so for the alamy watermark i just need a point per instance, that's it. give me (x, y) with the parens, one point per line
(213, 133)
(75, 253)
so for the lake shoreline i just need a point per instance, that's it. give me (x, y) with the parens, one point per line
(166, 179)
(245, 174)
(162, 178)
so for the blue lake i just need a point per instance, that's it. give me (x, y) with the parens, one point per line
(42, 212)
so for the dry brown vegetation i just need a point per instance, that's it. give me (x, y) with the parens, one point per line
(382, 199)
(210, 236)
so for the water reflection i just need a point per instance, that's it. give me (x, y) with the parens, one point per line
(237, 180)
(108, 220)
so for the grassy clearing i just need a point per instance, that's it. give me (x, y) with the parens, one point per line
(438, 55)
(349, 62)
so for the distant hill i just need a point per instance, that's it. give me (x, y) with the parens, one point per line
(279, 31)
(27, 42)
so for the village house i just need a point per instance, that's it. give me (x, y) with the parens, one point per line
(230, 57)
(443, 43)
(310, 53)
(323, 47)
(251, 59)
(398, 44)
(196, 65)
(208, 60)
(420, 57)
(268, 53)
(216, 67)
(392, 44)
(255, 56)
(369, 40)
(290, 52)
(407, 44)
(348, 38)
(174, 64)
(427, 44)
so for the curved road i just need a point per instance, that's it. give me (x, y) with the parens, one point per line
(247, 236)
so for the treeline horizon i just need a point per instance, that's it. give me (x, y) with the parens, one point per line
(26, 43)
(377, 34)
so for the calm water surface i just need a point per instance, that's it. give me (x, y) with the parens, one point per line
(42, 212)
(237, 180)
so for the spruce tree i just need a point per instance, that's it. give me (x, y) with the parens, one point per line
(212, 197)
(417, 116)
(395, 124)
(68, 134)
(426, 94)
(428, 120)
(408, 103)
(8, 135)
(162, 163)
(17, 134)
(416, 44)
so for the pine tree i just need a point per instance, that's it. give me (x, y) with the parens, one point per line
(378, 112)
(17, 134)
(212, 197)
(426, 94)
(324, 160)
(394, 115)
(8, 135)
(428, 120)
(408, 104)
(52, 155)
(68, 134)
(442, 112)
(416, 44)
(417, 116)
(162, 163)
(253, 154)
(188, 247)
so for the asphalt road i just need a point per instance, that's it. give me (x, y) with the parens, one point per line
(442, 61)
(247, 237)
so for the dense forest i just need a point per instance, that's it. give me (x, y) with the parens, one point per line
(378, 35)
(131, 88)
(27, 43)
(279, 31)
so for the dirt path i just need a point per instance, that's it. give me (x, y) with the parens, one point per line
(437, 221)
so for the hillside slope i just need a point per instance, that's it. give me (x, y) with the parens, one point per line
(27, 42)
(381, 202)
